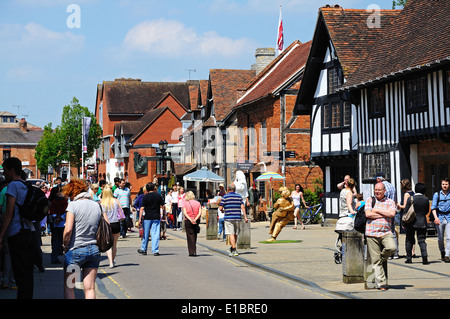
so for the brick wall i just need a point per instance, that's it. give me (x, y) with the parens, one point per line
(268, 110)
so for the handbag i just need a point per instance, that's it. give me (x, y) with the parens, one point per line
(344, 224)
(104, 235)
(410, 215)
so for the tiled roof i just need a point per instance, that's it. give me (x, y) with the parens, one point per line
(136, 128)
(14, 136)
(225, 86)
(277, 73)
(197, 93)
(419, 36)
(352, 35)
(125, 96)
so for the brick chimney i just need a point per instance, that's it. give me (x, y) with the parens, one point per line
(23, 125)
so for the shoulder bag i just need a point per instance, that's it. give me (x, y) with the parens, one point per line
(104, 234)
(410, 215)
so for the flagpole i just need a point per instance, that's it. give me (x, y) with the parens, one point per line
(82, 150)
(280, 36)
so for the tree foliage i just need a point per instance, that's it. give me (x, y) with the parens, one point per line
(64, 142)
(400, 3)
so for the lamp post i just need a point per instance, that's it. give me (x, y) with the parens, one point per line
(163, 147)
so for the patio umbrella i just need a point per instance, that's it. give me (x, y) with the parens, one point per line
(203, 175)
(270, 176)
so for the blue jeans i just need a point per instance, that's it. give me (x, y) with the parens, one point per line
(151, 227)
(444, 227)
(84, 257)
(222, 227)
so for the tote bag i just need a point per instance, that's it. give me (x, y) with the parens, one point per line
(104, 234)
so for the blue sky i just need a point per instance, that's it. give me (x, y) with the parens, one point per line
(51, 51)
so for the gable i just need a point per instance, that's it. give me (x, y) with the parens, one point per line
(165, 126)
(169, 100)
(344, 34)
(224, 90)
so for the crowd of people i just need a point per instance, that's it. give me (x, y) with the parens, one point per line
(76, 207)
(384, 220)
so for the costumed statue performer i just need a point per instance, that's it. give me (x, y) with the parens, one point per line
(284, 213)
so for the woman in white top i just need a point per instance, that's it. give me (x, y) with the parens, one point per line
(346, 202)
(111, 206)
(297, 195)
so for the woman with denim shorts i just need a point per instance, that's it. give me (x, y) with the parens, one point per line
(79, 239)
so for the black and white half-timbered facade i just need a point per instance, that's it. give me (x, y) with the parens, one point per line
(402, 97)
(340, 43)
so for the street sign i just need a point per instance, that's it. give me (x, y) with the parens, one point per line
(244, 166)
(287, 154)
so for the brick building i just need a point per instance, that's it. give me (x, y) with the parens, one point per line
(19, 139)
(266, 126)
(135, 117)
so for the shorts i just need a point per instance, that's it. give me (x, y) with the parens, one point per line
(232, 226)
(82, 257)
(115, 227)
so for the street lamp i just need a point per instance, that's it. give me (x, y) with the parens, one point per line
(163, 147)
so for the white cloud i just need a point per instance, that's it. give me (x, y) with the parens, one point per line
(34, 42)
(173, 39)
(25, 74)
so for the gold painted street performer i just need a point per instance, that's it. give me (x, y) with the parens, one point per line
(283, 215)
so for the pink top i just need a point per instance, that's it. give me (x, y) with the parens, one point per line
(181, 200)
(192, 208)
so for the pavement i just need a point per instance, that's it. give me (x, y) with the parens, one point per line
(306, 256)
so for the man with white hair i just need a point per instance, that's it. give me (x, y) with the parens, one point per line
(380, 241)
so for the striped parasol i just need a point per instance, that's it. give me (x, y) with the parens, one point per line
(269, 176)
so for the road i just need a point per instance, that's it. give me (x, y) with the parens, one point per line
(175, 275)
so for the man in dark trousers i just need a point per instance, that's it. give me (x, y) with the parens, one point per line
(151, 212)
(18, 231)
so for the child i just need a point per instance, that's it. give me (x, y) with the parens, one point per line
(359, 201)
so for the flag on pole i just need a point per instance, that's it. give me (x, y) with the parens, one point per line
(86, 126)
(280, 38)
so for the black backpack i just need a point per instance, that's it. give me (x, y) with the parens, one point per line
(35, 205)
(361, 219)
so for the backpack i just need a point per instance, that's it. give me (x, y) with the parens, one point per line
(35, 206)
(361, 219)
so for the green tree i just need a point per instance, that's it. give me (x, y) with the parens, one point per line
(400, 3)
(71, 132)
(64, 142)
(48, 149)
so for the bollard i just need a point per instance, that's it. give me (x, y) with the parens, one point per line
(211, 223)
(369, 273)
(243, 241)
(352, 257)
